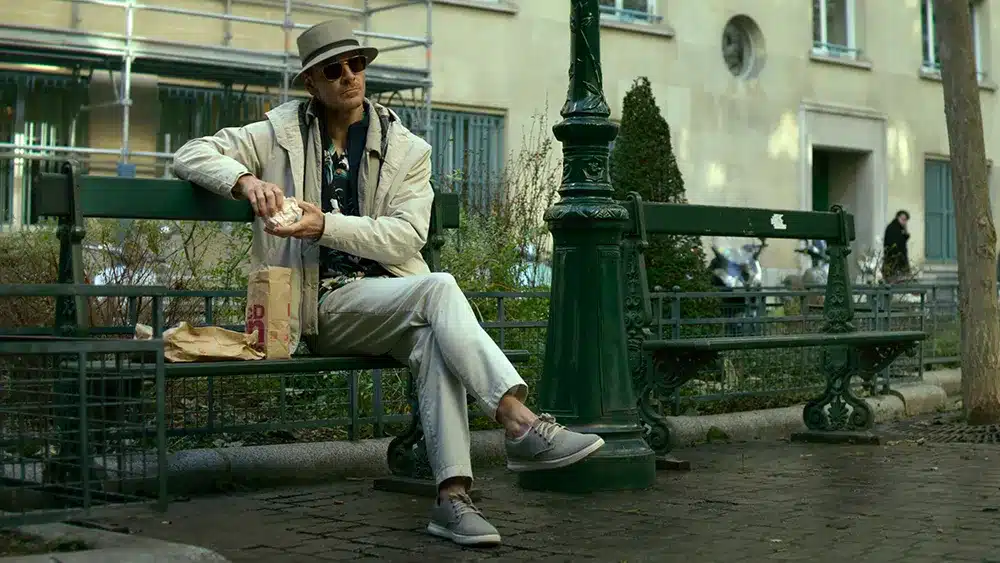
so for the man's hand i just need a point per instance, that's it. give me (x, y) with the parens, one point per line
(309, 227)
(265, 198)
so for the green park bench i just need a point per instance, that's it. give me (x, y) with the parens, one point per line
(660, 367)
(71, 198)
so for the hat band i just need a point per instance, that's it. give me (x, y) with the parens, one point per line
(329, 47)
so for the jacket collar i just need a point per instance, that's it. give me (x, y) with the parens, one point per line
(287, 125)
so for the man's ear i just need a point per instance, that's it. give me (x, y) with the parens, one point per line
(307, 81)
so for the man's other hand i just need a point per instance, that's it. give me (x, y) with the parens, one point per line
(265, 198)
(309, 227)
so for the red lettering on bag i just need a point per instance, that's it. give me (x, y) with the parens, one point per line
(255, 320)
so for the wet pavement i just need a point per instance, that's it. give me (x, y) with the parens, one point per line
(766, 501)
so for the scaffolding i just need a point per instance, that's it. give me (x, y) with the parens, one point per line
(84, 52)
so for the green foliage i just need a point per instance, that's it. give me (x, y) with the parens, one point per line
(28, 257)
(643, 161)
(502, 246)
(178, 255)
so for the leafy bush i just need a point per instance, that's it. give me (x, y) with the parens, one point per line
(28, 257)
(502, 246)
(643, 161)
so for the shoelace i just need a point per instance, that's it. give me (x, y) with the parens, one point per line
(547, 427)
(463, 505)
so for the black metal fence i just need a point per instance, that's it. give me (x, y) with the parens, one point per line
(227, 410)
(81, 425)
(781, 377)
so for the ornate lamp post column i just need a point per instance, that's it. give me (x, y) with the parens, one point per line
(586, 381)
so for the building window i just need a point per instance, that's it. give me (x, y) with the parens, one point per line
(834, 29)
(467, 155)
(939, 213)
(36, 111)
(931, 62)
(643, 11)
(188, 113)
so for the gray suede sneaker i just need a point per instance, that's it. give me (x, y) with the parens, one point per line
(458, 520)
(548, 445)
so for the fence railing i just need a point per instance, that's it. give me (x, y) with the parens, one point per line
(225, 410)
(748, 379)
(81, 421)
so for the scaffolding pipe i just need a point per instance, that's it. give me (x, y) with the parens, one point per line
(343, 9)
(427, 63)
(135, 45)
(263, 3)
(391, 6)
(126, 94)
(227, 37)
(308, 6)
(285, 82)
(108, 3)
(210, 15)
(79, 150)
(394, 37)
(365, 24)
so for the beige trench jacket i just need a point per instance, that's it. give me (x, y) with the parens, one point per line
(395, 209)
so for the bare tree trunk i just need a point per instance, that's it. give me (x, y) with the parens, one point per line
(976, 236)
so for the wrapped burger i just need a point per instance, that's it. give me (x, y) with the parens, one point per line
(289, 214)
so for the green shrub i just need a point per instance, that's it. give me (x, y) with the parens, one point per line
(30, 256)
(643, 161)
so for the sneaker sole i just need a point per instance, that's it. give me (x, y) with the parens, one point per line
(483, 540)
(556, 463)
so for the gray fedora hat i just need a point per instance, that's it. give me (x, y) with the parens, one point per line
(327, 40)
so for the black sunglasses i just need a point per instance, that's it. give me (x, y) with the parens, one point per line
(335, 70)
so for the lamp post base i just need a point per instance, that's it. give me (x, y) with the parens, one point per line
(624, 463)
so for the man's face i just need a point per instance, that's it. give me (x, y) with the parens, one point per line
(339, 84)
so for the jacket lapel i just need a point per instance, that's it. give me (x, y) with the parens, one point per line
(289, 122)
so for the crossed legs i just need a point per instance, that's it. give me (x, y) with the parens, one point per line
(426, 322)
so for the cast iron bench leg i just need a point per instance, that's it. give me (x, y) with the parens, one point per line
(838, 415)
(407, 458)
(663, 375)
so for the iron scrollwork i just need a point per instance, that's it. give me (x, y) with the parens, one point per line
(839, 408)
(407, 453)
(667, 372)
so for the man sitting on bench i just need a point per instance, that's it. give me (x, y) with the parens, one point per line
(365, 288)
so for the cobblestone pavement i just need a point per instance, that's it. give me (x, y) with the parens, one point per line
(774, 501)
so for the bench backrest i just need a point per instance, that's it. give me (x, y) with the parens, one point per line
(71, 198)
(836, 227)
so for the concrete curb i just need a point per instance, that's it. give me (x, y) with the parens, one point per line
(769, 424)
(111, 547)
(948, 379)
(206, 470)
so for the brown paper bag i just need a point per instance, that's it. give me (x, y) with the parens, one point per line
(269, 310)
(186, 343)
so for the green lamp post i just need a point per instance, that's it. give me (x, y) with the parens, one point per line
(586, 381)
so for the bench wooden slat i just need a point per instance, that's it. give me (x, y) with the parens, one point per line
(704, 220)
(277, 367)
(111, 197)
(784, 341)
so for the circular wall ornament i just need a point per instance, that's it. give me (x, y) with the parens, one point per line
(743, 47)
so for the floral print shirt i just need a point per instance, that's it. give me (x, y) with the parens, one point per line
(340, 194)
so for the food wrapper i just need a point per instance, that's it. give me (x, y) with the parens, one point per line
(290, 213)
(269, 311)
(186, 343)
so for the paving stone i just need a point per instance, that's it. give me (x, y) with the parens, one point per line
(901, 502)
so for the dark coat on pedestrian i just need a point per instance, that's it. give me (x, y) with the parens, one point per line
(895, 257)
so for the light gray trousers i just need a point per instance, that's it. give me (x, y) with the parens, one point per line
(426, 323)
